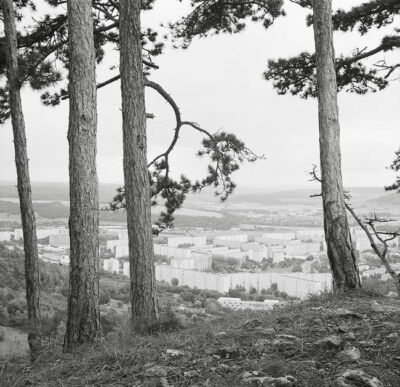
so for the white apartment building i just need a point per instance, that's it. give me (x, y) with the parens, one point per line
(271, 241)
(294, 284)
(259, 254)
(310, 233)
(243, 238)
(193, 278)
(280, 235)
(112, 244)
(121, 251)
(232, 253)
(18, 234)
(200, 262)
(42, 232)
(111, 265)
(302, 248)
(5, 236)
(125, 268)
(171, 251)
(277, 253)
(175, 241)
(238, 304)
(59, 240)
(371, 272)
(362, 243)
(123, 235)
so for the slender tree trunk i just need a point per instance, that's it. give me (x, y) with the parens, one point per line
(32, 278)
(137, 189)
(337, 233)
(83, 301)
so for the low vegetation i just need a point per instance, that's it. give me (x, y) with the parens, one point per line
(323, 341)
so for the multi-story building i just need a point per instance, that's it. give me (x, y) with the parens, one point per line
(5, 236)
(123, 235)
(42, 232)
(238, 304)
(125, 268)
(294, 284)
(301, 248)
(111, 265)
(280, 235)
(121, 251)
(200, 262)
(271, 241)
(171, 251)
(176, 241)
(18, 234)
(59, 240)
(112, 244)
(258, 254)
(243, 238)
(193, 278)
(315, 234)
(277, 253)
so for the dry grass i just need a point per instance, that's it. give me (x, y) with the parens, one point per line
(210, 358)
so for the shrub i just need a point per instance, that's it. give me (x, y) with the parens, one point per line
(174, 282)
(16, 306)
(2, 335)
(104, 297)
(297, 269)
(188, 296)
(110, 321)
(167, 322)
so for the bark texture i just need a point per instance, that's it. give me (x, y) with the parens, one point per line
(83, 301)
(32, 278)
(337, 233)
(137, 189)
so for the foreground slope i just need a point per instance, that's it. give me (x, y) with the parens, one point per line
(325, 341)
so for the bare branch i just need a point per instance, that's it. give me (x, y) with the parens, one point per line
(381, 253)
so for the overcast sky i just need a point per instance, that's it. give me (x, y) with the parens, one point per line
(218, 83)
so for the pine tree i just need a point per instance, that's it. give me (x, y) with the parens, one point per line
(340, 251)
(13, 98)
(83, 317)
(137, 185)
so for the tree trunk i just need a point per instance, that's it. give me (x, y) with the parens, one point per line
(337, 233)
(32, 278)
(137, 189)
(83, 301)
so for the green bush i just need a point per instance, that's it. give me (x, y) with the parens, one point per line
(104, 297)
(167, 322)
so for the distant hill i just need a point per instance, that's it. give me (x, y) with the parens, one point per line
(392, 199)
(359, 195)
(55, 191)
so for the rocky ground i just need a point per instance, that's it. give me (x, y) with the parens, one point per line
(325, 341)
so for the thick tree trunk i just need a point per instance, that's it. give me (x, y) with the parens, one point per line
(24, 185)
(137, 190)
(337, 233)
(83, 302)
